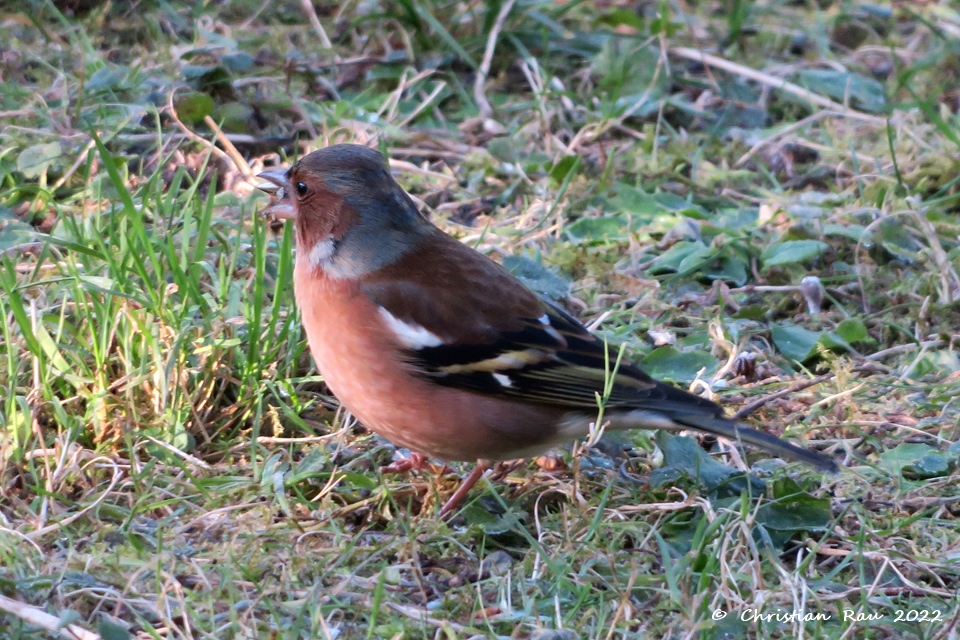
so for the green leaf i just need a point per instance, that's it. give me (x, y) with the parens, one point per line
(916, 461)
(316, 461)
(603, 229)
(106, 78)
(696, 260)
(932, 465)
(538, 277)
(506, 149)
(193, 107)
(239, 62)
(673, 202)
(852, 330)
(735, 219)
(670, 260)
(899, 242)
(206, 77)
(627, 70)
(849, 231)
(492, 524)
(858, 91)
(636, 201)
(233, 117)
(359, 481)
(215, 40)
(679, 366)
(791, 512)
(68, 617)
(848, 332)
(904, 455)
(110, 630)
(795, 342)
(733, 270)
(751, 312)
(16, 233)
(33, 161)
(562, 167)
(791, 252)
(683, 458)
(618, 17)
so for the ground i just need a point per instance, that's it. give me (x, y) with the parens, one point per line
(758, 199)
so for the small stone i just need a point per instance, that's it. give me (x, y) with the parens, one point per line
(497, 563)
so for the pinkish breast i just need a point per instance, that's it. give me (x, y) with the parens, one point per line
(359, 359)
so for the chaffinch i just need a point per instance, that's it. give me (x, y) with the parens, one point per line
(441, 350)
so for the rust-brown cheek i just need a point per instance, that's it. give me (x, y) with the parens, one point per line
(322, 215)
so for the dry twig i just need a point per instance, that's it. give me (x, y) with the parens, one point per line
(479, 95)
(773, 82)
(40, 618)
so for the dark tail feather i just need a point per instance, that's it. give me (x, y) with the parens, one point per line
(769, 443)
(668, 407)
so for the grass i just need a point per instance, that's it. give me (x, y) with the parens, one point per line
(173, 466)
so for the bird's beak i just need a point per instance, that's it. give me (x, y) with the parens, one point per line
(276, 186)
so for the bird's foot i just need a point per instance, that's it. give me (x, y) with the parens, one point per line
(406, 464)
(413, 462)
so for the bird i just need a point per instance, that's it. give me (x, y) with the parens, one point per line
(440, 349)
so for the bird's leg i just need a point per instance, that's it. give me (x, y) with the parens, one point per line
(464, 488)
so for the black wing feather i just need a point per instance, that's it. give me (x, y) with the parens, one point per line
(557, 362)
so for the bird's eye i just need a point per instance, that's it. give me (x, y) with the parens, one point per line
(301, 189)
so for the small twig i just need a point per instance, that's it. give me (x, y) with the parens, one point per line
(346, 62)
(949, 280)
(849, 155)
(773, 82)
(40, 618)
(388, 110)
(837, 396)
(412, 168)
(235, 138)
(423, 616)
(756, 404)
(594, 324)
(427, 153)
(193, 136)
(865, 303)
(904, 348)
(177, 452)
(303, 440)
(799, 124)
(799, 386)
(26, 247)
(81, 157)
(238, 160)
(315, 23)
(423, 105)
(79, 514)
(256, 14)
(642, 100)
(479, 94)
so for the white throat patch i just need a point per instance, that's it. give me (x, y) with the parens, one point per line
(322, 252)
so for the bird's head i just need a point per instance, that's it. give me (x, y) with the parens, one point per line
(351, 216)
